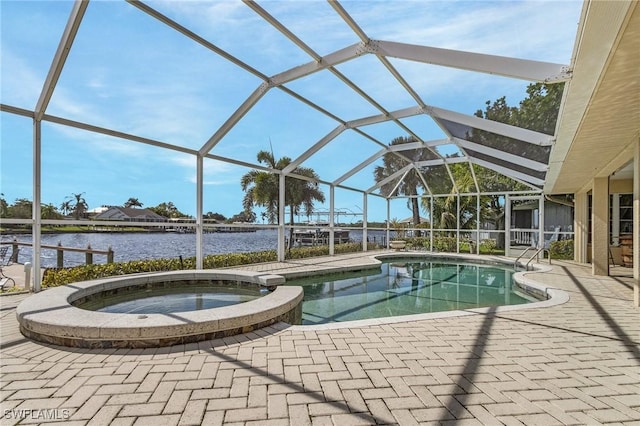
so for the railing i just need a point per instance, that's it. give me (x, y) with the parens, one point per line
(535, 255)
(89, 252)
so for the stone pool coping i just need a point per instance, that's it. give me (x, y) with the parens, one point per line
(50, 317)
(550, 296)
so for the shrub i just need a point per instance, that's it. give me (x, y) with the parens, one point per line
(488, 245)
(55, 277)
(446, 244)
(562, 249)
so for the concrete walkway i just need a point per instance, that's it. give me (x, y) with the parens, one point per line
(576, 363)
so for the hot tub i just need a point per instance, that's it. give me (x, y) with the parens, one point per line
(51, 317)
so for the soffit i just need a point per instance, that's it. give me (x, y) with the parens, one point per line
(600, 116)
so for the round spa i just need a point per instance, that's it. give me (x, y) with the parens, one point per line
(158, 309)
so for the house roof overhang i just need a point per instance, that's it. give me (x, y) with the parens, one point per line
(599, 118)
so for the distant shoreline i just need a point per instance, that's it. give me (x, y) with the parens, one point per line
(5, 232)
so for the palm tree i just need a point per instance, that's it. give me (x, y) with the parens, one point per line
(4, 206)
(262, 189)
(80, 206)
(65, 207)
(393, 163)
(445, 209)
(133, 202)
(49, 211)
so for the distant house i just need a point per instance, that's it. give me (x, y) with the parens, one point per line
(92, 213)
(409, 220)
(556, 215)
(130, 214)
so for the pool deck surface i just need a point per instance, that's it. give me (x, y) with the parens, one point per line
(576, 363)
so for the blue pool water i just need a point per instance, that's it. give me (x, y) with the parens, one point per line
(405, 287)
(181, 298)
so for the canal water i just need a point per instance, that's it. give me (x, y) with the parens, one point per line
(141, 246)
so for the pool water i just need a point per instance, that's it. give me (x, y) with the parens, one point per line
(405, 287)
(171, 300)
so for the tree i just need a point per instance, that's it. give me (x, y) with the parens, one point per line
(66, 207)
(214, 216)
(445, 209)
(22, 208)
(392, 163)
(262, 189)
(243, 216)
(78, 205)
(537, 112)
(168, 210)
(49, 211)
(132, 202)
(4, 207)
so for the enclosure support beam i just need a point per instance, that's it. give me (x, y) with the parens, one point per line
(332, 239)
(365, 246)
(541, 227)
(389, 178)
(477, 218)
(359, 167)
(37, 206)
(431, 220)
(199, 208)
(64, 47)
(281, 233)
(388, 221)
(66, 41)
(524, 135)
(457, 222)
(503, 155)
(520, 177)
(315, 148)
(507, 225)
(544, 72)
(600, 227)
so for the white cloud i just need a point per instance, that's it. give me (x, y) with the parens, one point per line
(21, 85)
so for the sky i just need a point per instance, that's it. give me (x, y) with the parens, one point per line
(128, 72)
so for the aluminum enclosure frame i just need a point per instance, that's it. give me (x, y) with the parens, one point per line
(528, 70)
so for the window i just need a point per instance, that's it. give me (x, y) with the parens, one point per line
(621, 216)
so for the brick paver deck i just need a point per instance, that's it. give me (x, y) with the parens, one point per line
(576, 363)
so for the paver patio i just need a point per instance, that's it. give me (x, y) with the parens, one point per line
(576, 363)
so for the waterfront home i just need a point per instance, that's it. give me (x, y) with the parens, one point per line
(130, 214)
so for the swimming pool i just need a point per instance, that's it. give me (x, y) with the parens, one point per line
(405, 287)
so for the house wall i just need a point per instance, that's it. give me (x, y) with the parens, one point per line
(619, 186)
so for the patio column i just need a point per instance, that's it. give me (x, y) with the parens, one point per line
(636, 225)
(580, 227)
(600, 227)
